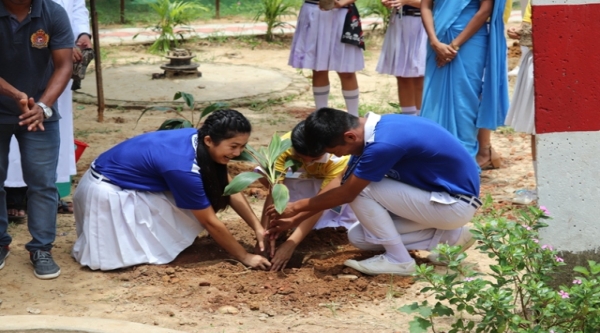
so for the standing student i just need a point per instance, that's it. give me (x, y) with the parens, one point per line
(146, 199)
(36, 47)
(404, 51)
(521, 115)
(408, 191)
(315, 170)
(16, 190)
(466, 86)
(329, 40)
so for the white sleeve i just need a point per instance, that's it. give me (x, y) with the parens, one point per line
(80, 18)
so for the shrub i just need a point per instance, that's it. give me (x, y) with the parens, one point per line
(516, 296)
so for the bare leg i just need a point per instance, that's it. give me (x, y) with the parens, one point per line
(486, 156)
(410, 92)
(320, 78)
(349, 81)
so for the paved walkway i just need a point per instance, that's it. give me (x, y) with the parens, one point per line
(125, 36)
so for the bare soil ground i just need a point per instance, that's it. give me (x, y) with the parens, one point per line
(204, 290)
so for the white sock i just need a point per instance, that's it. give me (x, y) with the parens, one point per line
(397, 253)
(410, 110)
(351, 99)
(321, 95)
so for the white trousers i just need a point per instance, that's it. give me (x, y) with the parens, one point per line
(390, 212)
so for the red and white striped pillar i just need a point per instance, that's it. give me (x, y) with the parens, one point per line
(566, 39)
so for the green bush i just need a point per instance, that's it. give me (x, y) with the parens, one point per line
(516, 296)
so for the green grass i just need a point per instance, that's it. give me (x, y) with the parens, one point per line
(138, 11)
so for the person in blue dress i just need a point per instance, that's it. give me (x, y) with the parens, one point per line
(146, 199)
(466, 87)
(410, 183)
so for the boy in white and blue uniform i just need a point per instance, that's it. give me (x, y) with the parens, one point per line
(411, 184)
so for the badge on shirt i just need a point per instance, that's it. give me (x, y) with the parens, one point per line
(40, 39)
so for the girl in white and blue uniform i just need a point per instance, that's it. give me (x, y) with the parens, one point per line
(404, 51)
(146, 199)
(329, 40)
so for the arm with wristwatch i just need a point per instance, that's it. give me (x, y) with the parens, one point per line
(35, 112)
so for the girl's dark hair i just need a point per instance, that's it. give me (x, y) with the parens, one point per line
(299, 143)
(220, 125)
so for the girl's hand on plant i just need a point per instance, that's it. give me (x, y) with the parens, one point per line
(278, 226)
(256, 261)
(282, 255)
(260, 239)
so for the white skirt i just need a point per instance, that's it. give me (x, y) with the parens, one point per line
(66, 156)
(521, 114)
(404, 48)
(317, 42)
(301, 188)
(118, 228)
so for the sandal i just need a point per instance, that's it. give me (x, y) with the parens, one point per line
(493, 162)
(16, 203)
(65, 207)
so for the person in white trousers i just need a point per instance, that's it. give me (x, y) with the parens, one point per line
(79, 19)
(411, 184)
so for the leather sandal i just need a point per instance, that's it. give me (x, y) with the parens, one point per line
(493, 162)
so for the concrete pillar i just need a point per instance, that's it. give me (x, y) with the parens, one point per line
(566, 46)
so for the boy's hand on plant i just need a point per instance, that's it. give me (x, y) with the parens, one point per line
(256, 261)
(282, 255)
(276, 227)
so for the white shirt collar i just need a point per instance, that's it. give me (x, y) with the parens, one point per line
(372, 120)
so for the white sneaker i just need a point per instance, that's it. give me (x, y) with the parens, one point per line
(381, 265)
(514, 71)
(465, 240)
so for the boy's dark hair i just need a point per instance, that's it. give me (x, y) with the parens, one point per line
(299, 143)
(220, 125)
(325, 128)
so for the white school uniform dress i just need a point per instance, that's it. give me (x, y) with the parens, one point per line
(79, 17)
(317, 42)
(134, 205)
(404, 47)
(521, 114)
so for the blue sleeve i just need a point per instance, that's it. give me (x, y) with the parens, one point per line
(377, 159)
(187, 189)
(61, 35)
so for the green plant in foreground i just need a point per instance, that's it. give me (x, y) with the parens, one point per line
(172, 14)
(516, 296)
(182, 122)
(270, 11)
(265, 157)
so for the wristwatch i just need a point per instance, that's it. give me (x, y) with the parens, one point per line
(47, 111)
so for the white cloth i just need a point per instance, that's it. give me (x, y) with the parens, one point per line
(317, 42)
(79, 17)
(387, 210)
(118, 228)
(404, 48)
(521, 114)
(301, 188)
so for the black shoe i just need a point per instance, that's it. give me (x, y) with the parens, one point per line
(44, 266)
(4, 252)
